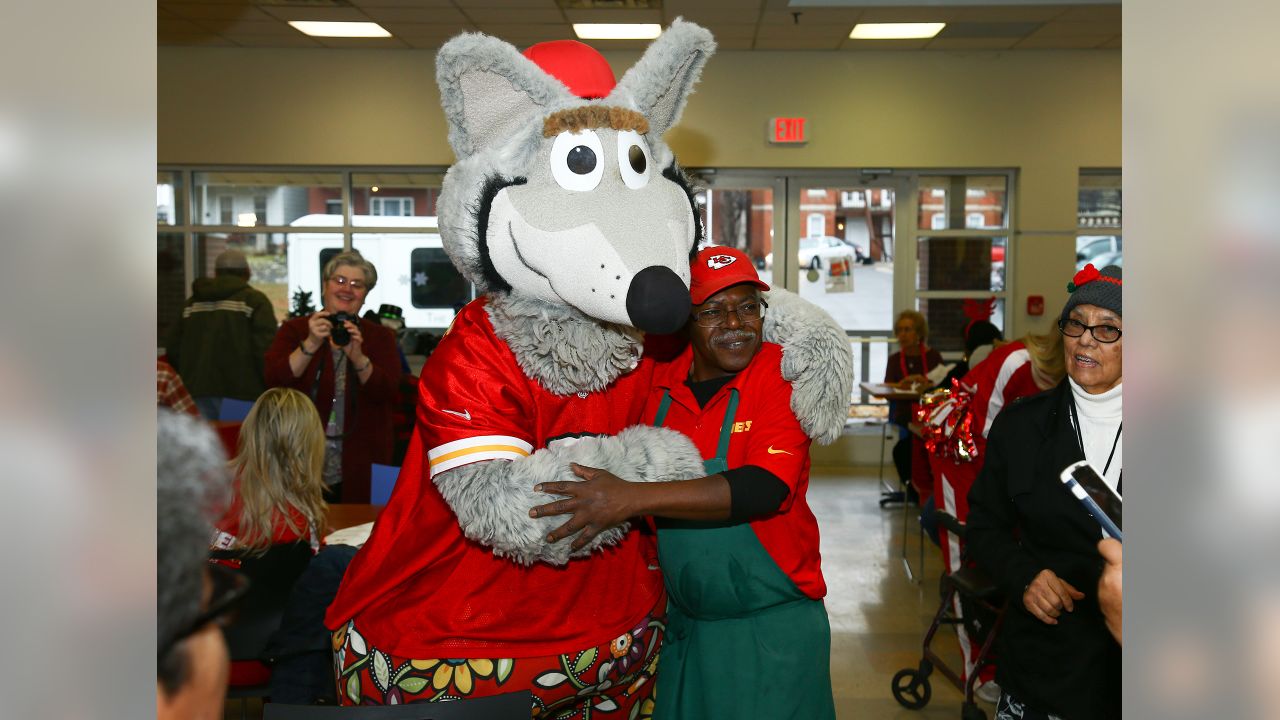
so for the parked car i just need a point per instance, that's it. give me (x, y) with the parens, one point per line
(1092, 248)
(818, 252)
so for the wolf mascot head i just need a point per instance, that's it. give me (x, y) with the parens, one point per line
(569, 200)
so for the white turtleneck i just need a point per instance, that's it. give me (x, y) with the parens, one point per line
(1100, 417)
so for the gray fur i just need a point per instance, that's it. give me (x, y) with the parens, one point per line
(816, 359)
(563, 350)
(660, 83)
(492, 499)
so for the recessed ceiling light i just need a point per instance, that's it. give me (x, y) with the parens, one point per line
(617, 31)
(316, 28)
(895, 31)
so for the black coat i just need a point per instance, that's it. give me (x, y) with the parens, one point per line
(1022, 520)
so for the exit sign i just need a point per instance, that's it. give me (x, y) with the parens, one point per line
(790, 130)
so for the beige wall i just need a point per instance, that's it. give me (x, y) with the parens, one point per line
(1045, 113)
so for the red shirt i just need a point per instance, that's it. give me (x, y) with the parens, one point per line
(1002, 377)
(765, 434)
(420, 589)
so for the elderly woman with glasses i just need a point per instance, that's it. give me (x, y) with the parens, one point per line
(1057, 658)
(350, 369)
(738, 548)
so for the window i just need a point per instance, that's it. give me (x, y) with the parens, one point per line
(260, 209)
(1099, 219)
(226, 210)
(816, 225)
(332, 207)
(394, 206)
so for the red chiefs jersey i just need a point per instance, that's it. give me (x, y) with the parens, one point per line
(227, 530)
(420, 589)
(765, 434)
(1001, 378)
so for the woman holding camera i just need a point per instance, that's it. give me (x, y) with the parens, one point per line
(349, 368)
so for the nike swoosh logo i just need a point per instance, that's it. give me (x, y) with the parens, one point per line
(465, 414)
(779, 452)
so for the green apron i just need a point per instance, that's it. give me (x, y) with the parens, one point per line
(741, 641)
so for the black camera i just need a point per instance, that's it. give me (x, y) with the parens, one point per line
(341, 335)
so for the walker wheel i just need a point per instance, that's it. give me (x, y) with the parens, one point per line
(911, 689)
(969, 711)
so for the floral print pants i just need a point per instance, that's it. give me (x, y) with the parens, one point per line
(611, 680)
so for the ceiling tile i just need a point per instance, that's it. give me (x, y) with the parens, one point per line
(281, 41)
(1112, 44)
(734, 43)
(177, 26)
(465, 4)
(402, 3)
(1074, 42)
(971, 43)
(1059, 28)
(219, 12)
(851, 44)
(741, 6)
(414, 31)
(205, 40)
(425, 43)
(907, 14)
(363, 43)
(711, 15)
(621, 15)
(1092, 13)
(813, 17)
(1008, 13)
(278, 28)
(322, 14)
(955, 30)
(522, 34)
(415, 15)
(732, 32)
(791, 43)
(531, 16)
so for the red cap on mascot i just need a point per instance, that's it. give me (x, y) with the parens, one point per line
(579, 66)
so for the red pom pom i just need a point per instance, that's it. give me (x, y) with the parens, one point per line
(1084, 277)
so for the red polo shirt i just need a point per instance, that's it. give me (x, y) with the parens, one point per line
(765, 434)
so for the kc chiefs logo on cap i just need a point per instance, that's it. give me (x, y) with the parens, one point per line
(715, 262)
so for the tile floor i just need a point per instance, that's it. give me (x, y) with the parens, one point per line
(878, 616)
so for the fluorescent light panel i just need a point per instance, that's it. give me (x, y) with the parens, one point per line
(895, 31)
(617, 31)
(316, 28)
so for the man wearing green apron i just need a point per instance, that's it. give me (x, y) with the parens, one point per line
(747, 633)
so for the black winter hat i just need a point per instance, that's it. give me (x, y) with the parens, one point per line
(1091, 286)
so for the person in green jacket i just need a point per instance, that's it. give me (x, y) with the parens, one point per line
(747, 632)
(219, 343)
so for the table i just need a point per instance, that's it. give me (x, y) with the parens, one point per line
(345, 515)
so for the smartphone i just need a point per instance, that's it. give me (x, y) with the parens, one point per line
(1097, 497)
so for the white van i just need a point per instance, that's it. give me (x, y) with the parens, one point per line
(413, 270)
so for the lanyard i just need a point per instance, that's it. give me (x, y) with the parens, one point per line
(924, 361)
(1075, 420)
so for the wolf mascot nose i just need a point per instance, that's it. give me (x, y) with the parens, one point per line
(658, 301)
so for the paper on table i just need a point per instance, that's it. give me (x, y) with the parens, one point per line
(935, 375)
(354, 536)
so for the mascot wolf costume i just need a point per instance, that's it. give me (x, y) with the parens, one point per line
(569, 213)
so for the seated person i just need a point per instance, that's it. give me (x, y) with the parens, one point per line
(908, 368)
(279, 476)
(738, 547)
(191, 594)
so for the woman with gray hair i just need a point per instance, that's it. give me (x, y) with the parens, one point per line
(349, 368)
(1057, 658)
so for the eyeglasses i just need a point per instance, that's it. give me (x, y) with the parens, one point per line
(229, 587)
(1102, 333)
(717, 316)
(356, 285)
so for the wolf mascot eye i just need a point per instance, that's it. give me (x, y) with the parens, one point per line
(633, 159)
(577, 160)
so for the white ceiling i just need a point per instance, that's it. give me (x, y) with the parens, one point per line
(737, 24)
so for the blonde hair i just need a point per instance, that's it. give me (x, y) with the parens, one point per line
(280, 465)
(917, 319)
(1048, 356)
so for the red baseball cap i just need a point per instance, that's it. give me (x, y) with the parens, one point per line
(579, 66)
(716, 268)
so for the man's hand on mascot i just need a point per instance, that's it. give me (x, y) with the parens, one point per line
(600, 501)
